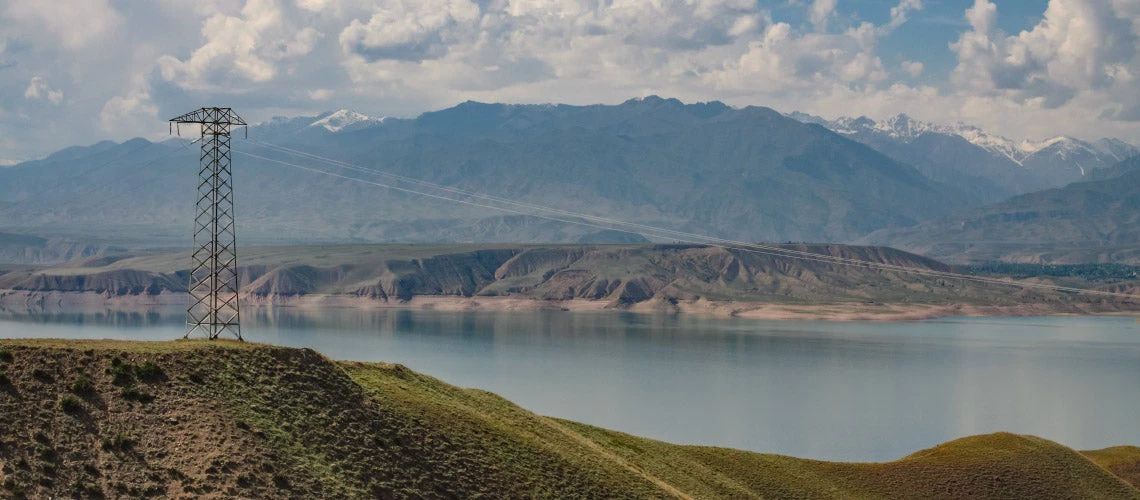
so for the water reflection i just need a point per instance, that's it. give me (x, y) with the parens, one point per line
(846, 391)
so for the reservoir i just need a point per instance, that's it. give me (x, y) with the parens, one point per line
(852, 391)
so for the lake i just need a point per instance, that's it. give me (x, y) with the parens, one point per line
(826, 390)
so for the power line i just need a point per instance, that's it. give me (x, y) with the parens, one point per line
(597, 222)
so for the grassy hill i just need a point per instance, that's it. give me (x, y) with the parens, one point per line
(111, 418)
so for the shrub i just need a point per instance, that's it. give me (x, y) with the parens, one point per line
(5, 356)
(148, 372)
(4, 380)
(134, 394)
(42, 376)
(119, 442)
(122, 373)
(83, 386)
(70, 404)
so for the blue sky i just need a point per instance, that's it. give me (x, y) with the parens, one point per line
(77, 71)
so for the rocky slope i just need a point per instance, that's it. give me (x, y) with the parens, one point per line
(656, 276)
(96, 419)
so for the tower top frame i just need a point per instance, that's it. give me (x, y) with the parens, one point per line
(214, 121)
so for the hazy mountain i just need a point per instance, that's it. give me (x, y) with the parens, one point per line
(1095, 221)
(1118, 170)
(746, 173)
(969, 157)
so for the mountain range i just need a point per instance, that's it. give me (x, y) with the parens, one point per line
(748, 173)
(971, 158)
(1094, 221)
(740, 173)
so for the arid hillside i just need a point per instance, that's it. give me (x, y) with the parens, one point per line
(645, 276)
(95, 419)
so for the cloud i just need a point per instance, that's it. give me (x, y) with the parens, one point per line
(900, 12)
(320, 94)
(820, 12)
(1073, 71)
(240, 49)
(469, 50)
(313, 5)
(39, 89)
(127, 111)
(75, 23)
(784, 60)
(913, 68)
(1080, 46)
(412, 30)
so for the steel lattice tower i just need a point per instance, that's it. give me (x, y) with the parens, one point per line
(214, 283)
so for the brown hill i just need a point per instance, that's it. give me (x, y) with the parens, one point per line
(656, 276)
(195, 418)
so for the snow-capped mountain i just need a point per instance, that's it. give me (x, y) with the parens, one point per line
(1058, 160)
(344, 119)
(329, 122)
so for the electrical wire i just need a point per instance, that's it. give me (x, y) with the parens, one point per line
(598, 222)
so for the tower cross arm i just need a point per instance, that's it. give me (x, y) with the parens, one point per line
(215, 116)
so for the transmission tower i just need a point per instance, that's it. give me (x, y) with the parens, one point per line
(214, 284)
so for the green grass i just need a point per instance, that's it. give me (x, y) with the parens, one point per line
(248, 420)
(1124, 461)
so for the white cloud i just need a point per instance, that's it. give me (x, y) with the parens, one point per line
(900, 12)
(1074, 72)
(820, 13)
(240, 49)
(784, 60)
(411, 30)
(38, 88)
(127, 112)
(1080, 46)
(913, 68)
(313, 5)
(75, 23)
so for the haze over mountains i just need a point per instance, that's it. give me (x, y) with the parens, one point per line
(969, 157)
(1094, 221)
(748, 174)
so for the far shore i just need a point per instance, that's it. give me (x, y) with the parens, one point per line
(30, 301)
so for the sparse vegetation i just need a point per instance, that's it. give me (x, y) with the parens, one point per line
(261, 421)
(83, 386)
(70, 404)
(148, 372)
(1090, 272)
(135, 394)
(665, 277)
(118, 442)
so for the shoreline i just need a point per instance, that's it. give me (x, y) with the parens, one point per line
(34, 301)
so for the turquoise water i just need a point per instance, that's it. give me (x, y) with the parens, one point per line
(826, 390)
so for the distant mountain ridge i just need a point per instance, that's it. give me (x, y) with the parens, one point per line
(748, 173)
(1056, 161)
(1094, 221)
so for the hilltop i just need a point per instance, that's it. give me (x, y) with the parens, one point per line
(113, 418)
(639, 277)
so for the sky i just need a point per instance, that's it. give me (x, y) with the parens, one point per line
(79, 71)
